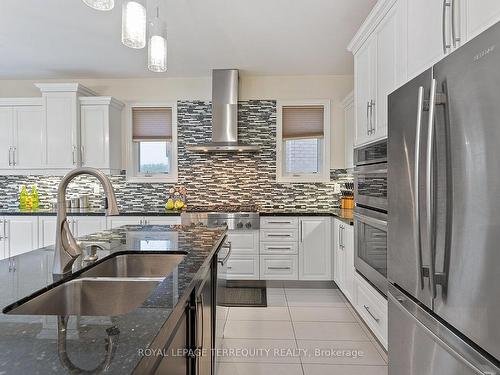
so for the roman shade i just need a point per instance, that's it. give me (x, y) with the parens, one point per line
(151, 124)
(303, 121)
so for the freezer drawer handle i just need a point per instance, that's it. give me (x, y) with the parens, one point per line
(371, 314)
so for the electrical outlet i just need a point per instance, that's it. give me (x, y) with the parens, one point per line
(336, 188)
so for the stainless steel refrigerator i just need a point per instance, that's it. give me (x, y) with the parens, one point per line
(444, 215)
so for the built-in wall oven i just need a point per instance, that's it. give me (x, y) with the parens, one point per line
(370, 213)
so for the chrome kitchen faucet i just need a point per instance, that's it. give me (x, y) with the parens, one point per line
(66, 248)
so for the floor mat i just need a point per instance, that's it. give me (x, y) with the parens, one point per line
(243, 297)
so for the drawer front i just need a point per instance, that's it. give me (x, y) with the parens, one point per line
(278, 235)
(244, 242)
(279, 267)
(372, 307)
(288, 222)
(281, 248)
(243, 268)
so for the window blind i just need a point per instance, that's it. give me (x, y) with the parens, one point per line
(303, 122)
(151, 124)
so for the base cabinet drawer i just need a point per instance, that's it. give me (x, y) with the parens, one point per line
(279, 248)
(278, 235)
(372, 307)
(279, 267)
(279, 222)
(242, 267)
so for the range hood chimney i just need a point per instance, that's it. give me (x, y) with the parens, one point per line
(224, 115)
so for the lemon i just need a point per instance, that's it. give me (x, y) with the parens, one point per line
(179, 204)
(170, 204)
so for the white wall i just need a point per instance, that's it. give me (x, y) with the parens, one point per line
(334, 88)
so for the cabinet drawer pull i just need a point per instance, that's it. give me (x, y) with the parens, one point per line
(279, 235)
(279, 222)
(278, 268)
(371, 314)
(279, 248)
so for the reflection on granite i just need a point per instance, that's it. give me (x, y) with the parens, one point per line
(29, 343)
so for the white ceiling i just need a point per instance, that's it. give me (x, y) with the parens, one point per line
(66, 39)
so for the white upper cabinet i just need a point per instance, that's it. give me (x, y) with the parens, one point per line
(101, 133)
(28, 135)
(21, 138)
(481, 14)
(62, 123)
(365, 69)
(379, 68)
(426, 40)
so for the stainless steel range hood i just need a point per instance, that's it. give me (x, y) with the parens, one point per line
(224, 115)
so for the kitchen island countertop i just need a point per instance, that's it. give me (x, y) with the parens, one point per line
(28, 342)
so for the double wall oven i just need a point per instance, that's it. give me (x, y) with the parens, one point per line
(370, 213)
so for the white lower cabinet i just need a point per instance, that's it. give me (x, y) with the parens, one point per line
(20, 235)
(46, 230)
(279, 267)
(85, 225)
(243, 262)
(118, 221)
(162, 220)
(372, 307)
(343, 257)
(315, 251)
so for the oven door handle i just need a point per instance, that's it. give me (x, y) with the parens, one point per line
(381, 224)
(228, 246)
(372, 169)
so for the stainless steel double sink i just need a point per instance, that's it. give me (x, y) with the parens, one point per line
(115, 286)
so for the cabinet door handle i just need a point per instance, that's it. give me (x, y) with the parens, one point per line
(455, 35)
(446, 46)
(301, 231)
(278, 268)
(14, 156)
(10, 156)
(73, 154)
(367, 118)
(372, 119)
(371, 314)
(82, 153)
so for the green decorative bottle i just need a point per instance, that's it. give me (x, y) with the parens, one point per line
(23, 196)
(34, 197)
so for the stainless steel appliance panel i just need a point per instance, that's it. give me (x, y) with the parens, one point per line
(421, 345)
(370, 238)
(370, 185)
(408, 243)
(467, 265)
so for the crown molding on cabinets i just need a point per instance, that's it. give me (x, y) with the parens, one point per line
(369, 25)
(65, 87)
(101, 100)
(8, 102)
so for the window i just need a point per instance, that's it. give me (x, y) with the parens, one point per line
(153, 143)
(303, 141)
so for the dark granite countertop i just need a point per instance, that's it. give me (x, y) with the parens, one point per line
(28, 343)
(145, 211)
(346, 215)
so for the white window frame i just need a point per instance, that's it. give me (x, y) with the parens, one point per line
(324, 176)
(131, 154)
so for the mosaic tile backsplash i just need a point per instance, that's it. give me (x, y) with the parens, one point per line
(211, 178)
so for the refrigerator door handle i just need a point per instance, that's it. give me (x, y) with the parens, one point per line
(443, 337)
(428, 188)
(416, 200)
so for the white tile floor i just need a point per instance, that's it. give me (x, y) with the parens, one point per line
(301, 332)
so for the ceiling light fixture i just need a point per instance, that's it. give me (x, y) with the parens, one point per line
(157, 46)
(134, 23)
(100, 4)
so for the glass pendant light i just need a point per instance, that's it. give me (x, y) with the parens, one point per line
(100, 4)
(134, 23)
(157, 46)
